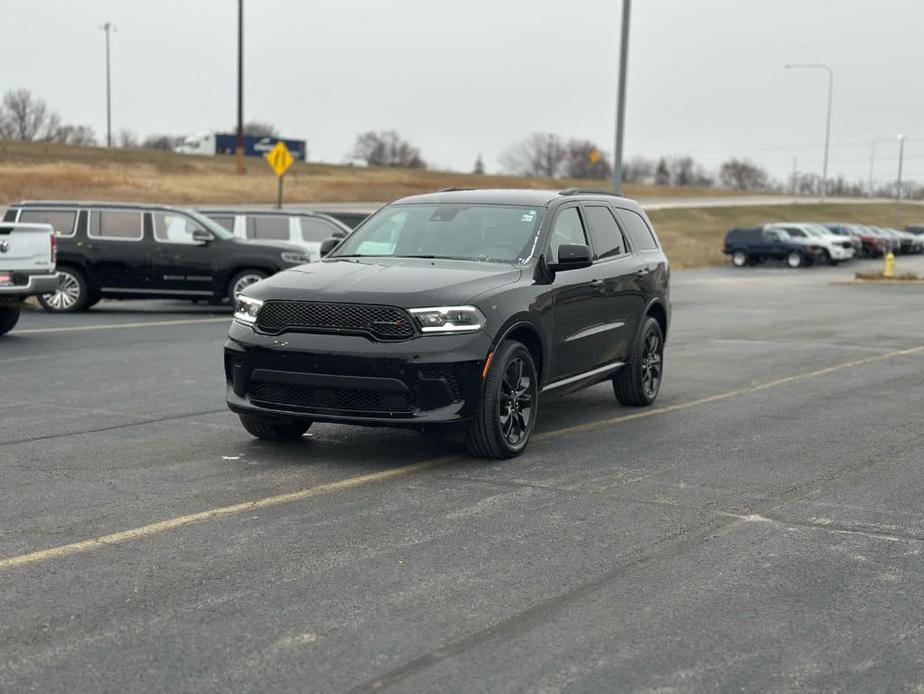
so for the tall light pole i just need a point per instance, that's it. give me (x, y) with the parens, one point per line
(898, 187)
(821, 66)
(621, 98)
(240, 86)
(108, 27)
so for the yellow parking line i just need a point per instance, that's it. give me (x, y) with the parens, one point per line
(117, 326)
(182, 521)
(361, 480)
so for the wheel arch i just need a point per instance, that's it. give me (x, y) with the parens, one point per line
(657, 310)
(530, 335)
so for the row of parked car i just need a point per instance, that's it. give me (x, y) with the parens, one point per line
(800, 244)
(72, 254)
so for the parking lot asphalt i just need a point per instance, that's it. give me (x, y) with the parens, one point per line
(760, 528)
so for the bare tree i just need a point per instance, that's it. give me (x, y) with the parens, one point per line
(23, 117)
(80, 135)
(740, 174)
(662, 173)
(639, 170)
(537, 155)
(167, 142)
(259, 129)
(387, 148)
(127, 139)
(585, 160)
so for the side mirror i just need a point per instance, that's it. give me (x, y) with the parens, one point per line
(327, 245)
(202, 236)
(572, 256)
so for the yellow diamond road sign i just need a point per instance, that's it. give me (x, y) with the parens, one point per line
(279, 158)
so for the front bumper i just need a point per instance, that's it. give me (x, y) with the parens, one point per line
(841, 252)
(27, 285)
(433, 379)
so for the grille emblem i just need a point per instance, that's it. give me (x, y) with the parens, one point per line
(4, 246)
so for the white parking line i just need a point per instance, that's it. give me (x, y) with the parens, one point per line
(117, 326)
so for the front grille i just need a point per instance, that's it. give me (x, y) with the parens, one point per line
(331, 398)
(382, 322)
(447, 375)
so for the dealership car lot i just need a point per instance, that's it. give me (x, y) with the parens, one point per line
(759, 528)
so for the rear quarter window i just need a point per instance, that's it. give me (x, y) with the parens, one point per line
(640, 234)
(62, 221)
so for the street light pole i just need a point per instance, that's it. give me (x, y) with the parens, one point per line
(621, 98)
(240, 86)
(108, 27)
(898, 187)
(821, 66)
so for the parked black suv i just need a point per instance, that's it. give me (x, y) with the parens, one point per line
(130, 251)
(753, 246)
(458, 307)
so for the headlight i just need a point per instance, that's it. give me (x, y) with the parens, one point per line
(449, 319)
(247, 309)
(294, 258)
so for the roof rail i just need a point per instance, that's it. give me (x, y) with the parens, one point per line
(587, 191)
(453, 189)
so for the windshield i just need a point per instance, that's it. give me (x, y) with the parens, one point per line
(485, 233)
(217, 229)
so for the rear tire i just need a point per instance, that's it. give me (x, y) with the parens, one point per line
(795, 259)
(506, 414)
(242, 280)
(740, 258)
(638, 383)
(274, 429)
(9, 316)
(72, 295)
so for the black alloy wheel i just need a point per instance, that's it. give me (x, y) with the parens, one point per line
(638, 383)
(506, 414)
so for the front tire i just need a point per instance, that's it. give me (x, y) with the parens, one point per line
(506, 414)
(274, 429)
(9, 316)
(72, 294)
(638, 383)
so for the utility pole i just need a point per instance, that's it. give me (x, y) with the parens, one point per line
(240, 86)
(108, 27)
(795, 160)
(621, 98)
(822, 66)
(898, 187)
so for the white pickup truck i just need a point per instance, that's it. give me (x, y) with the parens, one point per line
(27, 267)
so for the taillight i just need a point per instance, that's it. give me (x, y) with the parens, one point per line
(54, 249)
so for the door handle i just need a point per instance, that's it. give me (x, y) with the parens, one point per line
(642, 273)
(596, 284)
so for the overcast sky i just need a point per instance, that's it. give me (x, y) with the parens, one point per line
(706, 77)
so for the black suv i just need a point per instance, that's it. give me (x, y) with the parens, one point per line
(458, 307)
(753, 246)
(130, 251)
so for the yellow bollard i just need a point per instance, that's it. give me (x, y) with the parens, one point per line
(889, 270)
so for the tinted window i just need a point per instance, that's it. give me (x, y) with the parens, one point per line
(796, 232)
(315, 229)
(608, 241)
(116, 224)
(226, 223)
(10, 215)
(170, 227)
(640, 234)
(269, 228)
(62, 221)
(568, 229)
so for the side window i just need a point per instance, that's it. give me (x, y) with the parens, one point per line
(123, 225)
(772, 235)
(62, 221)
(170, 227)
(608, 241)
(316, 229)
(568, 229)
(226, 221)
(639, 232)
(268, 228)
(796, 232)
(10, 215)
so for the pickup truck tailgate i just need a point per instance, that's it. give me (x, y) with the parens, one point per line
(26, 248)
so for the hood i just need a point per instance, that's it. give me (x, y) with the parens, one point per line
(404, 282)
